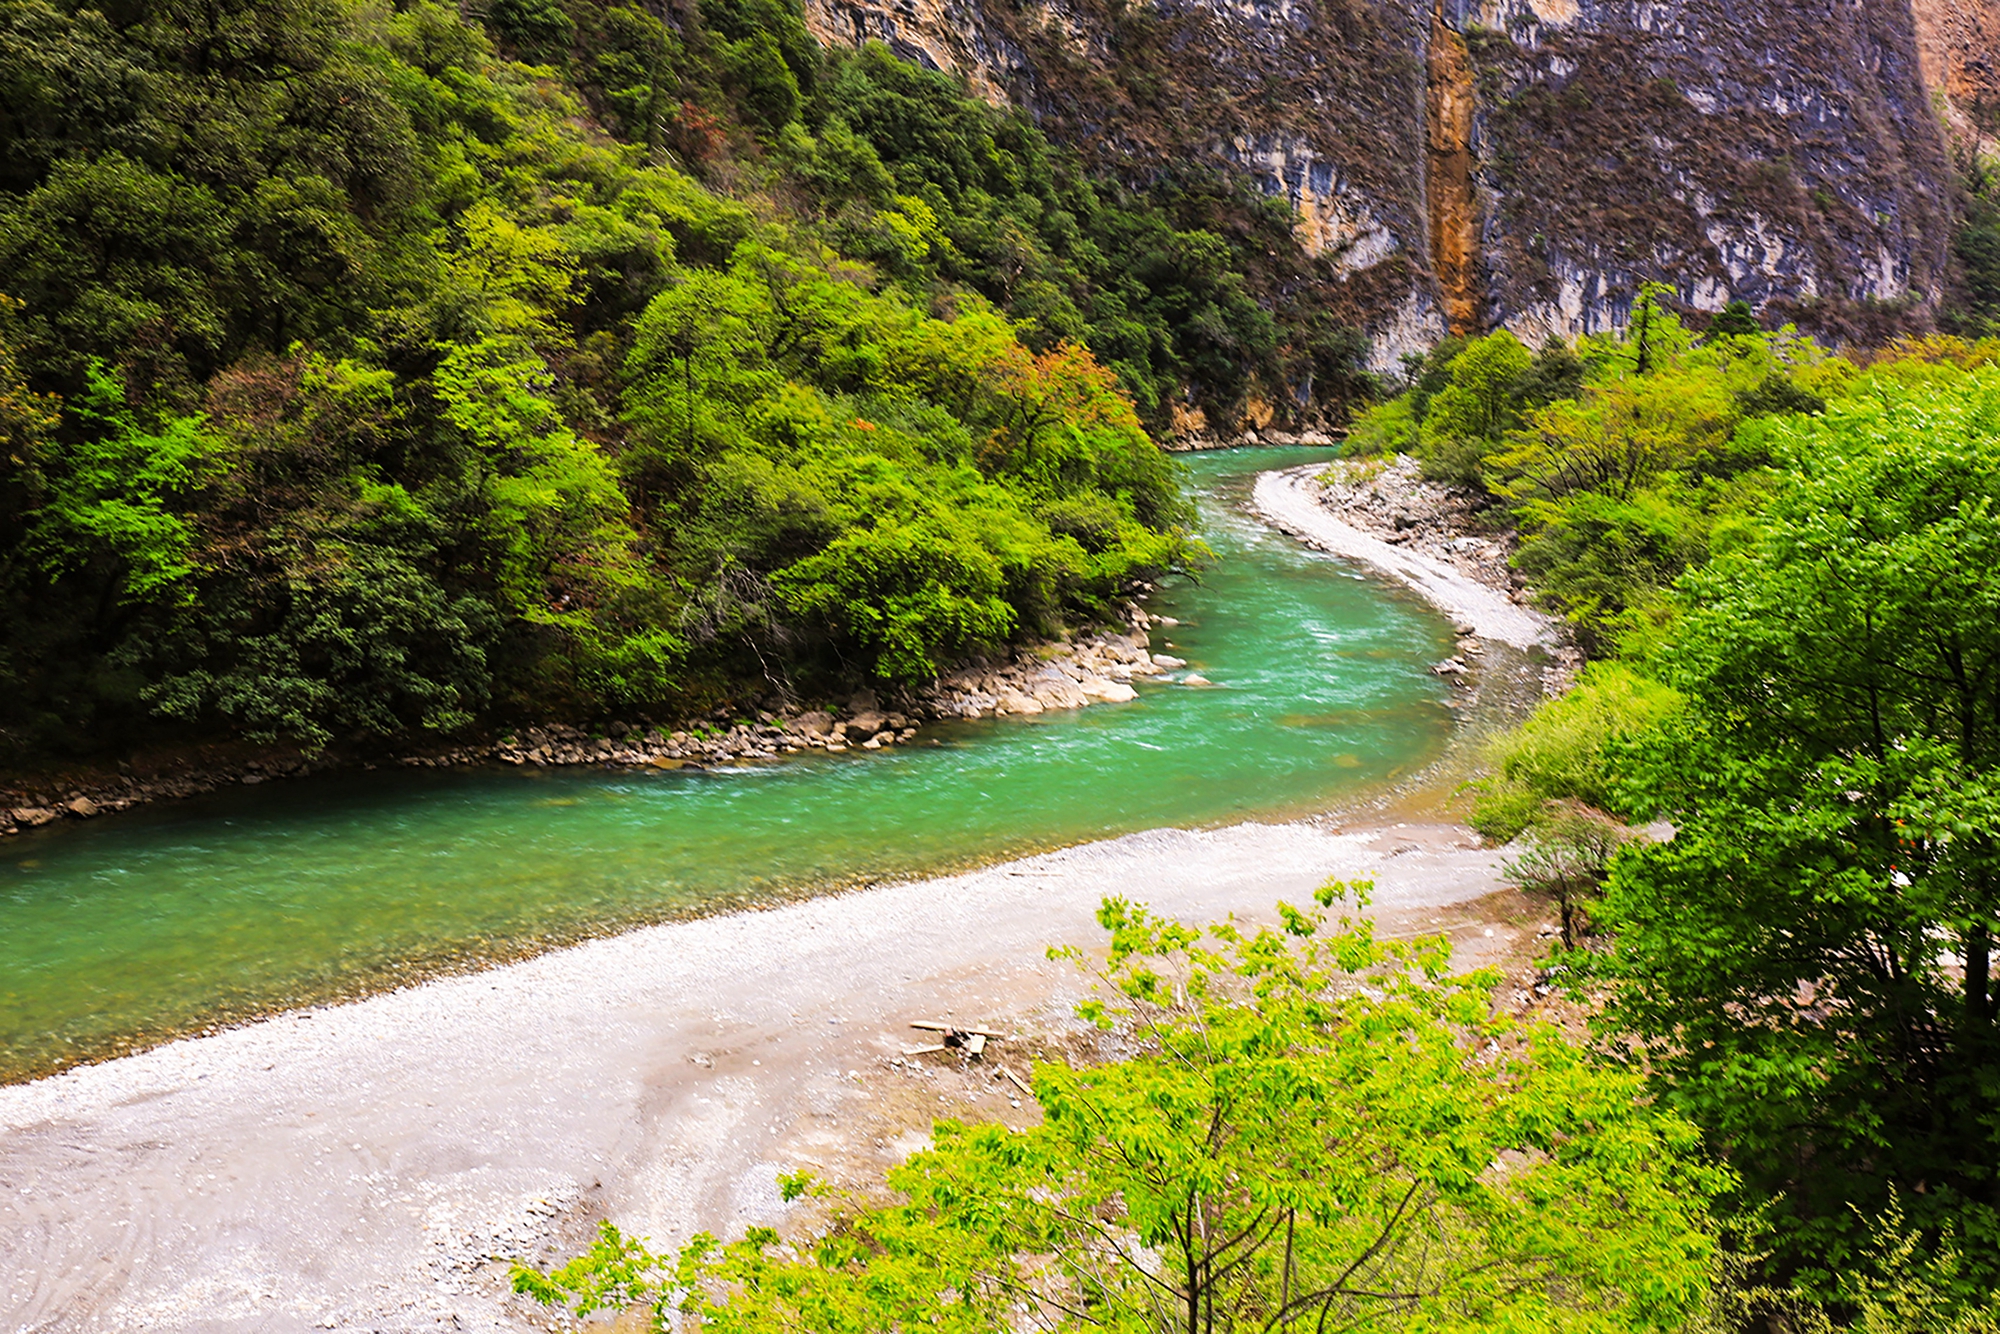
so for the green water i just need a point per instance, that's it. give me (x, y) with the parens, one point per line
(121, 931)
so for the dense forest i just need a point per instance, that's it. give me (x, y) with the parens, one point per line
(1781, 561)
(367, 372)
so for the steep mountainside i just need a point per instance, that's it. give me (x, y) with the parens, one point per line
(1522, 162)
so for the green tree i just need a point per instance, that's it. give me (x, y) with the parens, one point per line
(113, 496)
(1316, 1132)
(1468, 416)
(1735, 320)
(1807, 964)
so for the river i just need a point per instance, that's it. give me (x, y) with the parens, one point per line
(123, 931)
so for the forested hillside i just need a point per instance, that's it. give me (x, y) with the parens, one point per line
(363, 380)
(1781, 561)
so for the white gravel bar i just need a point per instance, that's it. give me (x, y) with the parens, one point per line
(374, 1166)
(1288, 499)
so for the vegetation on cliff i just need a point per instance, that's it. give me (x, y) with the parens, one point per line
(362, 381)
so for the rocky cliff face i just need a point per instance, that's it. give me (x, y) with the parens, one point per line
(1466, 164)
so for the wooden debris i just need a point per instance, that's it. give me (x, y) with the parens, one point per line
(937, 1027)
(972, 1040)
(919, 1051)
(1019, 1083)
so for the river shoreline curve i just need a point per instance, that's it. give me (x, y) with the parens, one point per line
(379, 1164)
(1293, 501)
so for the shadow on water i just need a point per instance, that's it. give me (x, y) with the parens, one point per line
(121, 932)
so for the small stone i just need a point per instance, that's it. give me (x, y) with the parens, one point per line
(33, 817)
(1168, 661)
(1196, 679)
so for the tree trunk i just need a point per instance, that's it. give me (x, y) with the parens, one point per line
(1978, 972)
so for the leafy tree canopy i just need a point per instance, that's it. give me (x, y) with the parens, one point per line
(1317, 1131)
(1808, 961)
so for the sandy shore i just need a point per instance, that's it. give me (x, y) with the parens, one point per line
(1288, 499)
(375, 1166)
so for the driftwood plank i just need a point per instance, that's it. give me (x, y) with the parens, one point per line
(977, 1045)
(1019, 1083)
(937, 1027)
(919, 1051)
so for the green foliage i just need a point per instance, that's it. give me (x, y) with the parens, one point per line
(1605, 561)
(401, 399)
(1326, 1130)
(1474, 410)
(1734, 320)
(1623, 460)
(1807, 963)
(1976, 309)
(106, 500)
(1569, 750)
(1389, 427)
(1568, 854)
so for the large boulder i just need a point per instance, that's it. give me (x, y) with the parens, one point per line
(1059, 695)
(1108, 692)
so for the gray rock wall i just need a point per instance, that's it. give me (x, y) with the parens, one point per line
(1787, 152)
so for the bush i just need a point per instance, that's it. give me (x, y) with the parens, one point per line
(1385, 428)
(1569, 853)
(1567, 750)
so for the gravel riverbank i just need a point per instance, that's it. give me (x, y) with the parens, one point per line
(377, 1165)
(1294, 501)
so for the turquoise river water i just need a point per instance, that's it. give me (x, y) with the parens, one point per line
(116, 933)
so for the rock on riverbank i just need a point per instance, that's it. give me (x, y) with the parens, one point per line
(1097, 669)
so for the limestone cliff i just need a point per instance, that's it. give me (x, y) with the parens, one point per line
(1473, 163)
